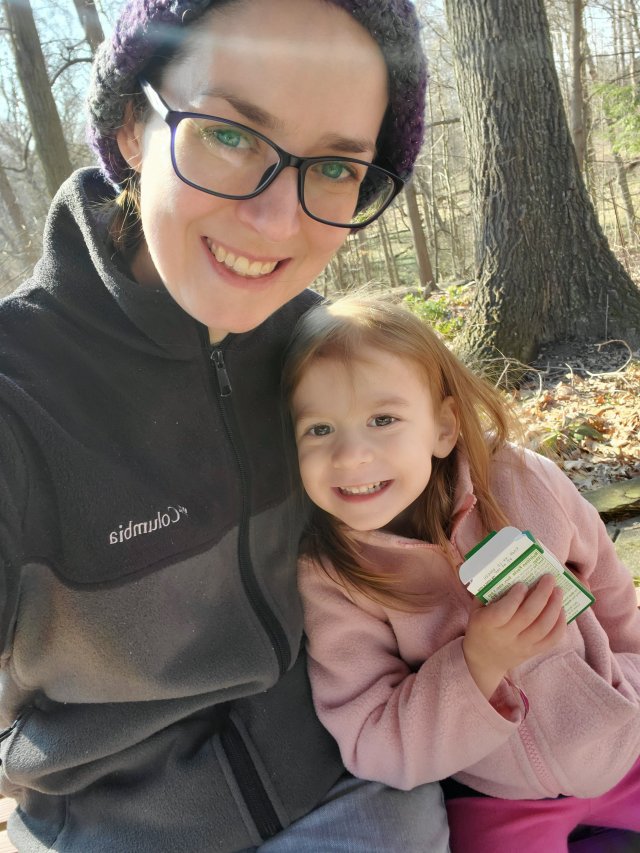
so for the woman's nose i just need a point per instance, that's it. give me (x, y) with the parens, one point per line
(276, 212)
(351, 451)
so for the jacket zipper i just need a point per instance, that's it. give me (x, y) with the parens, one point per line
(253, 791)
(251, 786)
(5, 733)
(270, 624)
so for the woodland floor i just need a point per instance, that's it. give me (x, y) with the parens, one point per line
(580, 405)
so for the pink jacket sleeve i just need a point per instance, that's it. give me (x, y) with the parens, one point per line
(574, 531)
(394, 725)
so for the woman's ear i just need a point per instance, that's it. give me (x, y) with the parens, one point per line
(129, 138)
(448, 426)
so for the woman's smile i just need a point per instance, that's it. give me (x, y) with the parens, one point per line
(240, 264)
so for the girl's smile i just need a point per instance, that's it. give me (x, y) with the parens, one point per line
(350, 492)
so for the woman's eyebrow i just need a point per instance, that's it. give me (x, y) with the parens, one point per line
(257, 115)
(252, 112)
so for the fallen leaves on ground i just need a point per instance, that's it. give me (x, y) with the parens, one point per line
(580, 407)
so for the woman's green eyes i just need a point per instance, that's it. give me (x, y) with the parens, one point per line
(227, 137)
(330, 172)
(336, 170)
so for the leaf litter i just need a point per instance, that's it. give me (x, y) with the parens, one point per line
(578, 404)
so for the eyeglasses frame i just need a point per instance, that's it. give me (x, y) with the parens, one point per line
(173, 118)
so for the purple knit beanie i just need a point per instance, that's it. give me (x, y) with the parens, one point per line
(146, 26)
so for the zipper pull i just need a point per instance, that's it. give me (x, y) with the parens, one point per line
(6, 732)
(221, 371)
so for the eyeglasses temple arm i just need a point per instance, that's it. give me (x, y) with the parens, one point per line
(154, 98)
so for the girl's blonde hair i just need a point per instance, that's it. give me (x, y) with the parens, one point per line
(339, 331)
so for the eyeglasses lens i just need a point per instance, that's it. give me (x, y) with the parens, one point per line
(226, 158)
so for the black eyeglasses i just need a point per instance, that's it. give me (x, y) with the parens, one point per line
(227, 159)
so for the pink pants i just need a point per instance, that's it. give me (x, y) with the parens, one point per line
(489, 824)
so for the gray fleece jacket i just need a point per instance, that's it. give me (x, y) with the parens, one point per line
(150, 682)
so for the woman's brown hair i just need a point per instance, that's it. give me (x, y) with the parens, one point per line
(339, 331)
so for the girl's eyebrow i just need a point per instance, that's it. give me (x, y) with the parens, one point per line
(381, 403)
(393, 401)
(257, 115)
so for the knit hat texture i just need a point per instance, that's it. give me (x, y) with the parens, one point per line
(144, 25)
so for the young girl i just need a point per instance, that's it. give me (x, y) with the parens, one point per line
(404, 453)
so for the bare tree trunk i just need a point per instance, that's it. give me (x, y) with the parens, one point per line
(577, 94)
(417, 230)
(394, 279)
(634, 30)
(627, 200)
(363, 247)
(43, 113)
(338, 267)
(632, 62)
(544, 269)
(621, 174)
(90, 21)
(15, 212)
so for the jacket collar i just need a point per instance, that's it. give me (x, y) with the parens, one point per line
(79, 261)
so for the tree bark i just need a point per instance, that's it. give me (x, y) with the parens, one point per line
(363, 248)
(14, 210)
(389, 257)
(46, 126)
(88, 15)
(577, 95)
(544, 269)
(425, 272)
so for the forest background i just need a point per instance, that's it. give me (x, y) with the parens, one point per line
(518, 237)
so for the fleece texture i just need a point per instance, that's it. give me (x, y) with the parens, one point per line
(394, 689)
(149, 618)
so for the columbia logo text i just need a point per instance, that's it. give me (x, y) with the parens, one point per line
(126, 531)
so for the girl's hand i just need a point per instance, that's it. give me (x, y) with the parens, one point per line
(520, 625)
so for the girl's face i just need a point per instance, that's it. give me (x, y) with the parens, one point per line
(366, 435)
(308, 76)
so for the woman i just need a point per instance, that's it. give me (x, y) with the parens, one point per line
(152, 689)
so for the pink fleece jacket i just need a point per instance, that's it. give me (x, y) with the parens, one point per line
(394, 689)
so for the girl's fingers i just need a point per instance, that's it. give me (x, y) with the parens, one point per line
(552, 614)
(534, 603)
(504, 609)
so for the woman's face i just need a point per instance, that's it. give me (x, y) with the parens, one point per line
(308, 76)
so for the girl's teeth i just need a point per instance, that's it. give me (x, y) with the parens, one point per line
(369, 489)
(240, 265)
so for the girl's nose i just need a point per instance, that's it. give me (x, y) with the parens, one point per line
(351, 451)
(276, 212)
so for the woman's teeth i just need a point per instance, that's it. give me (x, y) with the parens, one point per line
(240, 265)
(369, 489)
